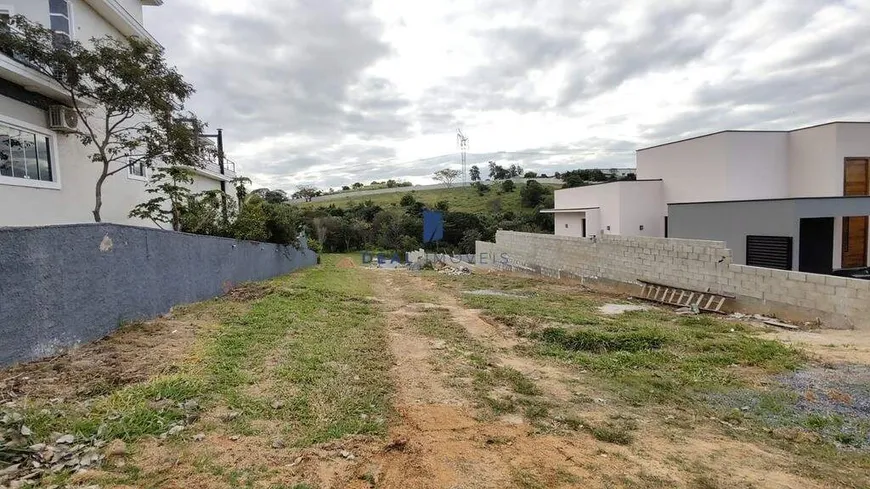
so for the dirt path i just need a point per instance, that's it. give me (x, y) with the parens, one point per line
(443, 443)
(447, 442)
(345, 377)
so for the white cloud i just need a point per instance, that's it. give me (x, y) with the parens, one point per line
(334, 91)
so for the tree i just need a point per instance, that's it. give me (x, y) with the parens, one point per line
(276, 196)
(345, 188)
(474, 173)
(128, 100)
(572, 180)
(171, 187)
(358, 185)
(532, 194)
(392, 183)
(531, 174)
(241, 184)
(514, 171)
(308, 193)
(447, 176)
(508, 186)
(629, 177)
(442, 205)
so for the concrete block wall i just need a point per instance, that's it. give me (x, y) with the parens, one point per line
(65, 285)
(687, 263)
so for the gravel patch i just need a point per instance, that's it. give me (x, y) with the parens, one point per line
(834, 403)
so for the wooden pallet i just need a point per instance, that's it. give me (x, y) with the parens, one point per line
(676, 296)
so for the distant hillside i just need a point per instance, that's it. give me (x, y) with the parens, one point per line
(464, 199)
(367, 191)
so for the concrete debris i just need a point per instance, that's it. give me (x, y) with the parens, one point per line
(769, 321)
(496, 293)
(190, 405)
(687, 311)
(235, 438)
(66, 439)
(278, 444)
(173, 431)
(347, 455)
(617, 309)
(199, 437)
(29, 462)
(277, 404)
(452, 269)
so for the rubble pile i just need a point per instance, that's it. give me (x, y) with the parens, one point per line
(23, 463)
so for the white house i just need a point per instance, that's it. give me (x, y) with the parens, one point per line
(825, 161)
(48, 178)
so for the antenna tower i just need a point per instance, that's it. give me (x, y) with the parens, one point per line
(462, 142)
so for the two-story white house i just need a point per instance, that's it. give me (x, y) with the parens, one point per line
(794, 199)
(46, 176)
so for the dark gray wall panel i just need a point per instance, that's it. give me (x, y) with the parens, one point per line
(63, 285)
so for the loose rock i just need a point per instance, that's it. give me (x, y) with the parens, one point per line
(66, 440)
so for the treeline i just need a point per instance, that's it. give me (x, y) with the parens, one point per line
(266, 215)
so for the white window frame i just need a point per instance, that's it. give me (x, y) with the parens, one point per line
(55, 167)
(70, 18)
(7, 9)
(133, 176)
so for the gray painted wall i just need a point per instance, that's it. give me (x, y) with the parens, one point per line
(65, 285)
(731, 222)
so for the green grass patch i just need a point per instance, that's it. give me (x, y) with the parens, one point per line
(644, 356)
(603, 341)
(464, 199)
(329, 372)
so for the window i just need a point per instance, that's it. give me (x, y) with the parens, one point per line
(25, 154)
(137, 171)
(60, 17)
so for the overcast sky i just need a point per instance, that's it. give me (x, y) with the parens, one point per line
(330, 92)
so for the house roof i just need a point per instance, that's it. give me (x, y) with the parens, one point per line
(566, 211)
(751, 131)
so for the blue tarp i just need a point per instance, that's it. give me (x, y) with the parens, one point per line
(433, 226)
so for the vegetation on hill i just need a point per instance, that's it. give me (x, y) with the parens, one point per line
(464, 199)
(394, 221)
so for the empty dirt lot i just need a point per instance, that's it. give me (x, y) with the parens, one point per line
(348, 377)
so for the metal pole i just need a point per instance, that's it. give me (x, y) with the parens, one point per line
(220, 144)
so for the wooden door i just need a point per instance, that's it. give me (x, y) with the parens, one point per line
(855, 182)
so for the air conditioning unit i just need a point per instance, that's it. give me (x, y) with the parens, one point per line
(62, 118)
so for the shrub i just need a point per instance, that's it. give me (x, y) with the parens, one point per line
(508, 186)
(407, 200)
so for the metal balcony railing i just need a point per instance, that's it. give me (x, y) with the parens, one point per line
(214, 167)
